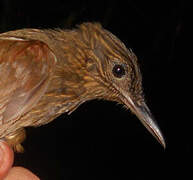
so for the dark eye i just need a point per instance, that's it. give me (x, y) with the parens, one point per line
(118, 71)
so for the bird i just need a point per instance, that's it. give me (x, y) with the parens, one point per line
(47, 72)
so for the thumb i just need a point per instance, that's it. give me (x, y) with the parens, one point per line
(6, 159)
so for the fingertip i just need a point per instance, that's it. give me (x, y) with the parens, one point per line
(6, 158)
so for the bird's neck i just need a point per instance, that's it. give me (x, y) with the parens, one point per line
(68, 85)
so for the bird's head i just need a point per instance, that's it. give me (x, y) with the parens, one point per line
(111, 72)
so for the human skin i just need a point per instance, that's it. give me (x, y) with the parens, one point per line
(7, 171)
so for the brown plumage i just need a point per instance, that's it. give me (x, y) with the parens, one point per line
(44, 73)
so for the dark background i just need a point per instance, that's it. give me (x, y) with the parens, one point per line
(101, 139)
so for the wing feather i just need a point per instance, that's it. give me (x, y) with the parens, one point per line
(25, 70)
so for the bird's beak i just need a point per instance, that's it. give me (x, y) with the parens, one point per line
(145, 116)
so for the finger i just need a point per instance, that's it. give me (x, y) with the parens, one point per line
(6, 158)
(20, 173)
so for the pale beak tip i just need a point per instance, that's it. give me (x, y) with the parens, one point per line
(162, 142)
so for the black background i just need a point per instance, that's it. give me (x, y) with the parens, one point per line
(101, 139)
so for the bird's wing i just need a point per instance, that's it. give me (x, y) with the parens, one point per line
(25, 69)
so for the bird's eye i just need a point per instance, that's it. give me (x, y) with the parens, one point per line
(118, 71)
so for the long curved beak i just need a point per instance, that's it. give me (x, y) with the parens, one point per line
(145, 116)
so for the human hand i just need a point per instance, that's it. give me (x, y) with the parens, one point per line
(7, 172)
